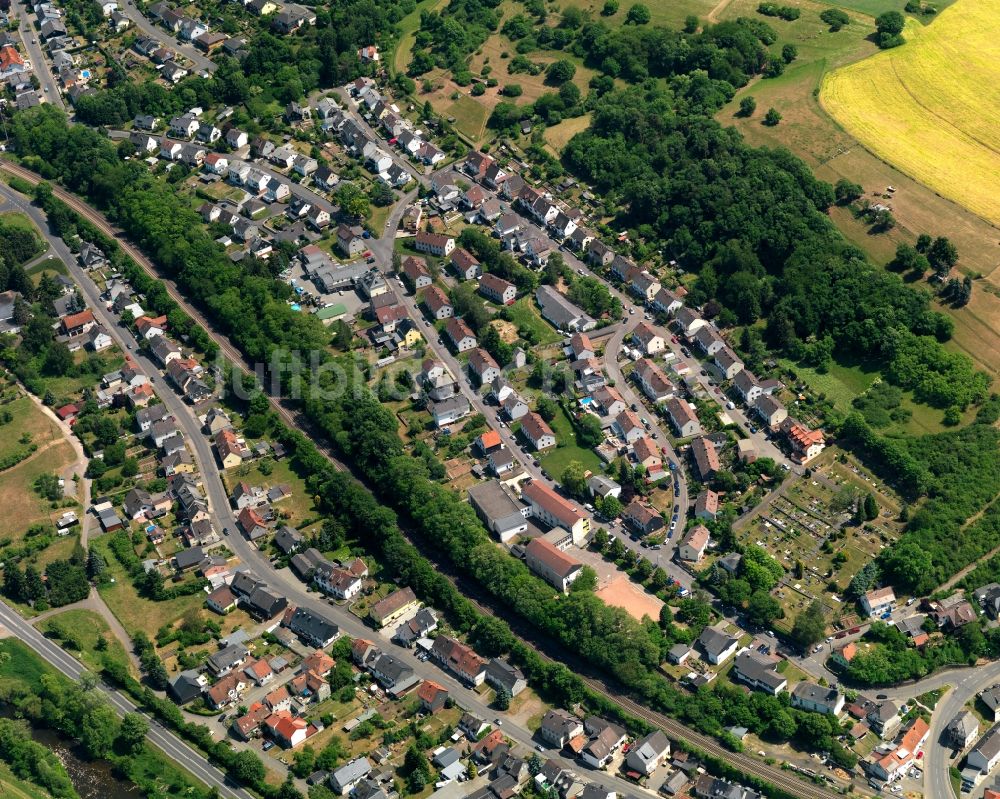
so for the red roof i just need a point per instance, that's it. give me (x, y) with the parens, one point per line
(67, 411)
(9, 56)
(78, 319)
(489, 439)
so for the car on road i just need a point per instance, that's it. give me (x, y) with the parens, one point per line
(631, 311)
(268, 745)
(580, 272)
(881, 696)
(225, 531)
(841, 634)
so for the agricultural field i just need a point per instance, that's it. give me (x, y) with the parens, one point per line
(833, 153)
(932, 106)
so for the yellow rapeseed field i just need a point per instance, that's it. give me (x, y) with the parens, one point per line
(931, 107)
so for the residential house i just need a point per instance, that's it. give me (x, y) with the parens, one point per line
(962, 730)
(878, 602)
(653, 381)
(460, 335)
(312, 628)
(552, 565)
(683, 417)
(497, 289)
(460, 659)
(706, 458)
(605, 739)
(437, 303)
(503, 676)
(628, 426)
(555, 510)
(609, 400)
(728, 363)
(252, 524)
(393, 607)
(449, 410)
(345, 778)
(806, 443)
(537, 431)
(642, 517)
(482, 365)
(350, 240)
(708, 340)
(759, 672)
(416, 272)
(560, 312)
(889, 766)
(558, 728)
(817, 698)
(221, 600)
(749, 388)
(689, 321)
(436, 244)
(693, 545)
(717, 645)
(648, 753)
(771, 412)
(432, 697)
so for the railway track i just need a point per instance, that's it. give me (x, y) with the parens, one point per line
(796, 785)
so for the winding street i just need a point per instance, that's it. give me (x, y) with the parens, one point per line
(168, 742)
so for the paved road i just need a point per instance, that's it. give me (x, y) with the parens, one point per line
(170, 744)
(937, 781)
(161, 34)
(39, 63)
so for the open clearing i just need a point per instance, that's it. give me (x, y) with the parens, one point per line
(932, 106)
(623, 593)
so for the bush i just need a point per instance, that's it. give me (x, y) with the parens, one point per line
(835, 18)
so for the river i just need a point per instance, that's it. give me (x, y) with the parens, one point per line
(92, 780)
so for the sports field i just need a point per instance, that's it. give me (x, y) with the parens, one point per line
(932, 107)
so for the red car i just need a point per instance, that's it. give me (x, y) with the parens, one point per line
(855, 630)
(841, 634)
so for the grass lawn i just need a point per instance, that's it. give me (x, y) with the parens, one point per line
(27, 419)
(14, 788)
(841, 383)
(22, 506)
(23, 667)
(299, 506)
(524, 314)
(930, 699)
(556, 461)
(378, 219)
(558, 136)
(407, 27)
(16, 219)
(84, 628)
(52, 265)
(133, 611)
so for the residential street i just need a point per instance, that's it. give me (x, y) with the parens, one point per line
(40, 64)
(147, 28)
(169, 743)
